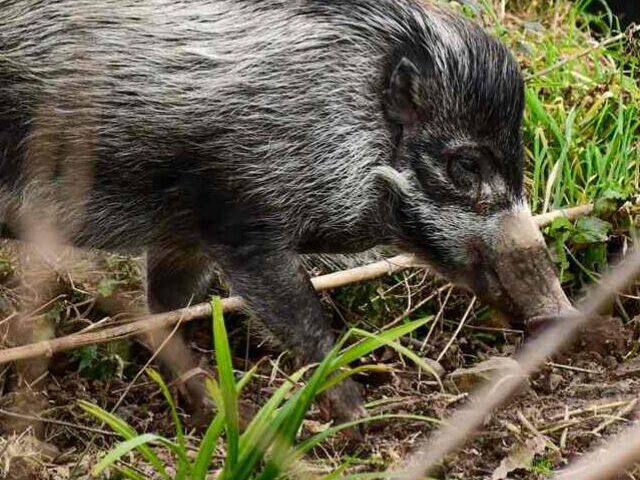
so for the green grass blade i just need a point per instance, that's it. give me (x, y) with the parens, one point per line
(405, 352)
(207, 446)
(312, 442)
(292, 416)
(121, 449)
(259, 435)
(123, 429)
(537, 109)
(183, 466)
(130, 473)
(227, 384)
(247, 377)
(264, 418)
(350, 372)
(116, 424)
(366, 346)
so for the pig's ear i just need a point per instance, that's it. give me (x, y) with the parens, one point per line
(402, 96)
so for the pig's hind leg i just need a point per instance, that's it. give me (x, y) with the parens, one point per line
(178, 276)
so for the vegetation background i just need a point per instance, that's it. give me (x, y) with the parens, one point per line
(582, 146)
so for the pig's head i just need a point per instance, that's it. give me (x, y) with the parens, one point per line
(455, 105)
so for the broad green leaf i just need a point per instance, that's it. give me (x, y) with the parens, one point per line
(590, 230)
(608, 203)
(560, 224)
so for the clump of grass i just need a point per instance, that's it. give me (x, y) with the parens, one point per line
(583, 116)
(583, 100)
(268, 448)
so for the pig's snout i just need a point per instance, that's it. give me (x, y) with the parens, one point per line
(514, 272)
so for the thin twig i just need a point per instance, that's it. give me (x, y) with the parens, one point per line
(435, 321)
(457, 332)
(572, 368)
(592, 409)
(529, 426)
(60, 423)
(565, 430)
(617, 417)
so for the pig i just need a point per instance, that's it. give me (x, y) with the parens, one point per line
(240, 134)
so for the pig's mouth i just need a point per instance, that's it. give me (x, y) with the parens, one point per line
(515, 274)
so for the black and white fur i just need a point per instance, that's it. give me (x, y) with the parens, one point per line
(246, 132)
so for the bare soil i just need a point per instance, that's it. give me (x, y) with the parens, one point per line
(579, 399)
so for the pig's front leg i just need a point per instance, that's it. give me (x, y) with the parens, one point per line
(278, 291)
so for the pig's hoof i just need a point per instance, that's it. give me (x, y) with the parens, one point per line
(540, 323)
(343, 404)
(200, 405)
(537, 325)
(197, 400)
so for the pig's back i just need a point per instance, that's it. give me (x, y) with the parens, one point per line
(142, 111)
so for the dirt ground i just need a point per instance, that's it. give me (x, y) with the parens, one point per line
(577, 401)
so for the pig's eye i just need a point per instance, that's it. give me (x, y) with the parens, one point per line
(469, 165)
(464, 171)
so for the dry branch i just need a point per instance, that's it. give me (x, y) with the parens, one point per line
(200, 311)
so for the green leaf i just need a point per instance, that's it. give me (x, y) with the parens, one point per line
(375, 341)
(590, 230)
(54, 315)
(290, 418)
(346, 373)
(594, 258)
(129, 472)
(404, 351)
(207, 447)
(312, 442)
(107, 286)
(121, 449)
(227, 384)
(123, 429)
(184, 467)
(86, 356)
(260, 434)
(608, 203)
(368, 345)
(246, 378)
(560, 224)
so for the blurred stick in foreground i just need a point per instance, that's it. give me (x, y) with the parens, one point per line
(607, 461)
(197, 312)
(460, 428)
